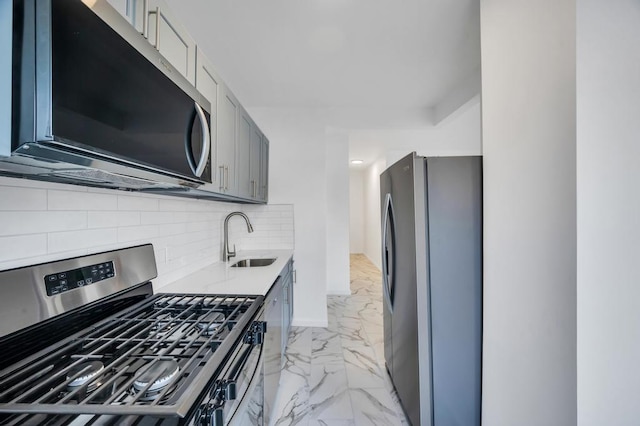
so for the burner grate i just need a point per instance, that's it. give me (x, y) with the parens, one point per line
(194, 332)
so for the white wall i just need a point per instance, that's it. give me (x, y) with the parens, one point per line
(608, 110)
(529, 144)
(356, 211)
(457, 136)
(297, 175)
(41, 222)
(337, 209)
(372, 220)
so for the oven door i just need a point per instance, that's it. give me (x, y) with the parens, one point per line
(248, 407)
(238, 395)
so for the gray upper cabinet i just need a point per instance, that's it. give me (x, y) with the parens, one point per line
(208, 83)
(228, 126)
(239, 150)
(154, 20)
(263, 188)
(254, 162)
(171, 39)
(244, 152)
(133, 11)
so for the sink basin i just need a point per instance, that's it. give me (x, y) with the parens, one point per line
(253, 262)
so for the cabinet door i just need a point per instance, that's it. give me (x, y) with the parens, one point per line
(243, 149)
(132, 10)
(208, 83)
(228, 112)
(263, 186)
(287, 287)
(171, 39)
(254, 162)
(123, 7)
(272, 348)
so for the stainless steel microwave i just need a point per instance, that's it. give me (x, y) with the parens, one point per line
(93, 103)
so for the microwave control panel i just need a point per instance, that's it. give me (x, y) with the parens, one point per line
(69, 280)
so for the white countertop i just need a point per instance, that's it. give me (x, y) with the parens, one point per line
(221, 278)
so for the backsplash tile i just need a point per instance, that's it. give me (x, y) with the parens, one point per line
(21, 199)
(43, 221)
(69, 200)
(35, 222)
(73, 240)
(23, 246)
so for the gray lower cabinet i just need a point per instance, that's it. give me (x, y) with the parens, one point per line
(272, 348)
(287, 305)
(277, 314)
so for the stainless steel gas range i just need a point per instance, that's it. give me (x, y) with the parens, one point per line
(85, 341)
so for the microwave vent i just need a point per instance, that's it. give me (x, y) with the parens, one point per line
(106, 178)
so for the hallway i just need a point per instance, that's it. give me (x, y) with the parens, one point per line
(335, 376)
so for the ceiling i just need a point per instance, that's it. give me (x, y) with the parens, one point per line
(402, 54)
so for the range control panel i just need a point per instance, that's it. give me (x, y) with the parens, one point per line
(76, 278)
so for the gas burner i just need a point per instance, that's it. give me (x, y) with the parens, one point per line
(88, 371)
(163, 325)
(158, 374)
(211, 322)
(163, 320)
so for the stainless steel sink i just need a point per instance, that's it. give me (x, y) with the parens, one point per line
(253, 262)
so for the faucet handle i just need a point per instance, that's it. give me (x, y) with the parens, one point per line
(233, 252)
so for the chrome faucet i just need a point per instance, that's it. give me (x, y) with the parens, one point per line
(231, 253)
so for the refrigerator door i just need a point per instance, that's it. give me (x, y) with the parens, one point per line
(455, 255)
(388, 276)
(398, 181)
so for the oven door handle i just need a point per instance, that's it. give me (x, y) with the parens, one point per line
(229, 384)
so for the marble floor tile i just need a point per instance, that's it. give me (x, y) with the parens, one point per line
(332, 422)
(292, 410)
(374, 407)
(299, 337)
(335, 376)
(328, 392)
(363, 369)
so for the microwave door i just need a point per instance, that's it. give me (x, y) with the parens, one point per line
(107, 99)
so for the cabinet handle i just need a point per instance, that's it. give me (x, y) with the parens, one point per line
(226, 178)
(295, 276)
(145, 19)
(221, 177)
(157, 45)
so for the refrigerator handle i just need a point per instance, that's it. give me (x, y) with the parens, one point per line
(385, 254)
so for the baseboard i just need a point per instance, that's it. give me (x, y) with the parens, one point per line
(306, 322)
(374, 263)
(339, 293)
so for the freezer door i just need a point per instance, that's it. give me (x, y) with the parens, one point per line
(402, 341)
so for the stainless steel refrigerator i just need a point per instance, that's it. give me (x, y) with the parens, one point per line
(432, 287)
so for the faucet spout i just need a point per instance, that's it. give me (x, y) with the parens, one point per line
(227, 253)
